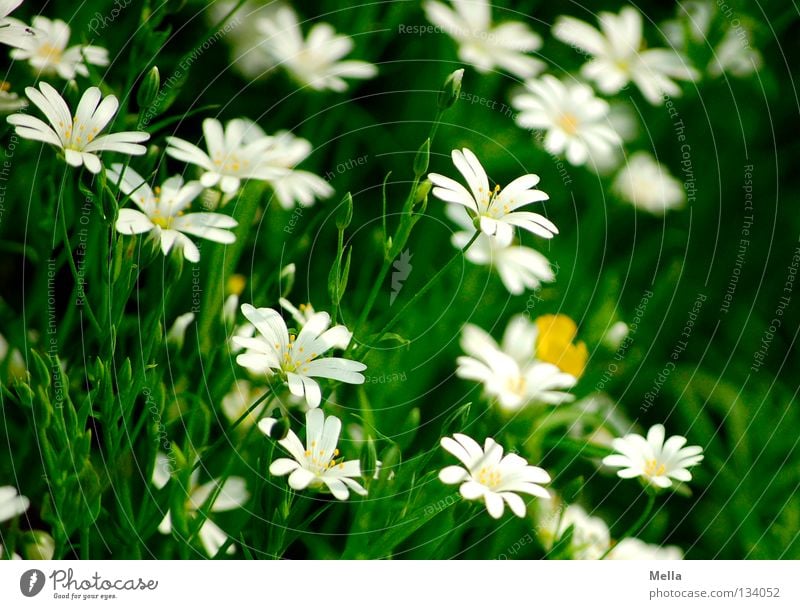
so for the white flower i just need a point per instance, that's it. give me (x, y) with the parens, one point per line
(163, 210)
(632, 548)
(177, 333)
(576, 121)
(511, 373)
(9, 101)
(12, 32)
(655, 461)
(239, 152)
(296, 186)
(14, 556)
(238, 400)
(245, 39)
(590, 534)
(490, 476)
(317, 463)
(483, 45)
(78, 136)
(47, 50)
(494, 210)
(11, 503)
(315, 60)
(734, 55)
(648, 185)
(619, 56)
(298, 358)
(232, 495)
(519, 267)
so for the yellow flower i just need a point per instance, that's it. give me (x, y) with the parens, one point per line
(554, 344)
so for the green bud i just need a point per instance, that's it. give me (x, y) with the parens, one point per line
(287, 279)
(423, 158)
(422, 191)
(148, 89)
(451, 90)
(345, 215)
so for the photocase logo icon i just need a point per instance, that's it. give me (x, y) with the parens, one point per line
(402, 269)
(31, 582)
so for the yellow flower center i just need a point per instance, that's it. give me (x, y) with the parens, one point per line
(49, 53)
(517, 385)
(489, 476)
(653, 468)
(569, 123)
(554, 344)
(235, 284)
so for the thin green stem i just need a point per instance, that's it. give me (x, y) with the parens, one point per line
(634, 530)
(73, 268)
(424, 290)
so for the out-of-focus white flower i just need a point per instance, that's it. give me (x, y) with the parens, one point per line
(231, 495)
(77, 136)
(314, 61)
(177, 333)
(163, 211)
(647, 185)
(576, 121)
(734, 55)
(317, 463)
(615, 335)
(244, 38)
(493, 210)
(242, 395)
(619, 56)
(632, 548)
(519, 267)
(655, 461)
(694, 19)
(511, 373)
(297, 358)
(295, 186)
(9, 101)
(12, 32)
(47, 50)
(12, 503)
(14, 556)
(489, 476)
(484, 45)
(590, 535)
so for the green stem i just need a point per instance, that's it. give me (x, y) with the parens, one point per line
(424, 290)
(75, 275)
(638, 525)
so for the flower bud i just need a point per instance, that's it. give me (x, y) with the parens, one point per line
(422, 158)
(345, 215)
(148, 89)
(451, 90)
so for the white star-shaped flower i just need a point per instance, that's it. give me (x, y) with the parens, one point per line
(492, 477)
(48, 52)
(576, 121)
(298, 358)
(655, 461)
(484, 45)
(619, 56)
(240, 151)
(231, 495)
(493, 210)
(519, 267)
(163, 210)
(314, 61)
(77, 136)
(511, 373)
(317, 463)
